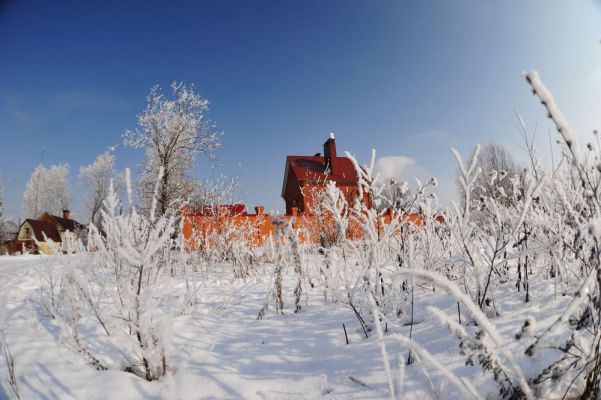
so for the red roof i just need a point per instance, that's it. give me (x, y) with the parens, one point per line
(313, 168)
(43, 230)
(67, 224)
(48, 226)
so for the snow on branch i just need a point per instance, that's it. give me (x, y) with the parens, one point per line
(478, 315)
(546, 98)
(425, 355)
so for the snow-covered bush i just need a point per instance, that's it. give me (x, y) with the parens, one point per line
(223, 240)
(130, 256)
(545, 228)
(8, 374)
(569, 214)
(114, 289)
(288, 252)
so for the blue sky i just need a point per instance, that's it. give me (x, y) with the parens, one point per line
(408, 78)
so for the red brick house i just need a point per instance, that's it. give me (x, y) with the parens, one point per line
(306, 176)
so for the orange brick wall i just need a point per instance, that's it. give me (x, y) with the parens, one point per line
(258, 228)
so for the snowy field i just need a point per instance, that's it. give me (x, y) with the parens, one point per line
(218, 349)
(497, 298)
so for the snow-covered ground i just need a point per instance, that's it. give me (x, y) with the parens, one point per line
(218, 349)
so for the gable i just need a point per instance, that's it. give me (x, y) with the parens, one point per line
(25, 231)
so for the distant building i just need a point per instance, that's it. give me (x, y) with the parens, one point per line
(62, 231)
(306, 176)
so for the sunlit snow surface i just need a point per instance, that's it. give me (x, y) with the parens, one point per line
(218, 349)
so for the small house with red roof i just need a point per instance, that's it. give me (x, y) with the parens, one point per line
(46, 234)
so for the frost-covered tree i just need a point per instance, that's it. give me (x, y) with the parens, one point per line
(59, 193)
(220, 190)
(33, 198)
(3, 233)
(498, 170)
(47, 190)
(96, 177)
(395, 195)
(174, 132)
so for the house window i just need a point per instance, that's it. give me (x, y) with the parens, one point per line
(27, 233)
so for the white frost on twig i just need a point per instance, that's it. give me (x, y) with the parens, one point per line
(546, 98)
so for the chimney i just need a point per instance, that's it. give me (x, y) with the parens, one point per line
(329, 153)
(259, 210)
(66, 214)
